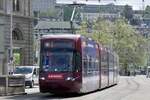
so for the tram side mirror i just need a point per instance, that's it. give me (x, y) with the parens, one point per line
(34, 72)
(78, 62)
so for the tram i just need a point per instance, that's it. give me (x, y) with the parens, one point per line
(71, 63)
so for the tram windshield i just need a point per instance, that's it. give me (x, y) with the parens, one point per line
(57, 61)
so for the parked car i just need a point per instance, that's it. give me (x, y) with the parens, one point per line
(31, 74)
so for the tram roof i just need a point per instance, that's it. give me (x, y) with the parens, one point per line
(64, 36)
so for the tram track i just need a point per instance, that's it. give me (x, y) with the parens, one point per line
(107, 93)
(134, 88)
(130, 87)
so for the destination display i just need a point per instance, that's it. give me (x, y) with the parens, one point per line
(59, 44)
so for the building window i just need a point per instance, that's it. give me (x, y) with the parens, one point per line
(1, 4)
(17, 34)
(16, 5)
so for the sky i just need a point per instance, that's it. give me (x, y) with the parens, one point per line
(136, 4)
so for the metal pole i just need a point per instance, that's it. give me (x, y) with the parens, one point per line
(99, 8)
(38, 40)
(71, 20)
(11, 38)
(143, 5)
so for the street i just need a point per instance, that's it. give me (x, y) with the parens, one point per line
(128, 88)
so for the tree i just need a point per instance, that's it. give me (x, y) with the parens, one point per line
(100, 27)
(147, 12)
(103, 31)
(16, 58)
(122, 37)
(128, 12)
(130, 45)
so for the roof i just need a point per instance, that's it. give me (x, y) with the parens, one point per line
(54, 25)
(67, 36)
(110, 8)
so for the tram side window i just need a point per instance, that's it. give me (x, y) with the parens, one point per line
(110, 60)
(97, 64)
(90, 64)
(93, 66)
(102, 57)
(85, 64)
(115, 65)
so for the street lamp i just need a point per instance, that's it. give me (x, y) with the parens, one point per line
(143, 4)
(71, 20)
(10, 67)
(75, 5)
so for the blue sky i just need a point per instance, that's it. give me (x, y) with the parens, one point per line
(136, 4)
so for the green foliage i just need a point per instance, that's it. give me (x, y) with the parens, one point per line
(16, 58)
(83, 29)
(67, 13)
(100, 28)
(122, 37)
(128, 12)
(147, 12)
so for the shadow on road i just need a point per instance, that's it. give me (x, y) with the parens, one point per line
(39, 96)
(45, 96)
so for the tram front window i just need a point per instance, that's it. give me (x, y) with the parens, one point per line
(57, 61)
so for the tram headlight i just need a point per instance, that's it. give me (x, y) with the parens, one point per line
(70, 79)
(42, 78)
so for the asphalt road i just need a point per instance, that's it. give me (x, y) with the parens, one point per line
(128, 88)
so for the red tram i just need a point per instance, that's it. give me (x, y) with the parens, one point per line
(75, 64)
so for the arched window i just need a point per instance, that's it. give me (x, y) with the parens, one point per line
(16, 5)
(17, 34)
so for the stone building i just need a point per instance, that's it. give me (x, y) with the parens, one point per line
(21, 34)
(109, 12)
(54, 27)
(43, 5)
(46, 10)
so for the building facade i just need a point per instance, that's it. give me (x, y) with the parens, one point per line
(43, 5)
(109, 12)
(54, 27)
(21, 33)
(47, 10)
